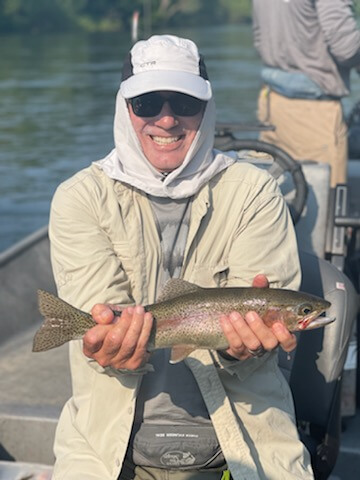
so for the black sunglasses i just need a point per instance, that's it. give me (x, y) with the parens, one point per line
(151, 104)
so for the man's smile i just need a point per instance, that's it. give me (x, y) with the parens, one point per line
(165, 140)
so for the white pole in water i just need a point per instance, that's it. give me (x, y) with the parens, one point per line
(135, 26)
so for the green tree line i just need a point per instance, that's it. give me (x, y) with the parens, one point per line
(115, 15)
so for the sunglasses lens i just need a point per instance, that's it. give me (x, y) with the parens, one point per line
(150, 104)
(185, 105)
(147, 105)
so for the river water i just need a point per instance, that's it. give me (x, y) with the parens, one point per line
(57, 102)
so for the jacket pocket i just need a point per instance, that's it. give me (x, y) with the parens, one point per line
(122, 252)
(210, 276)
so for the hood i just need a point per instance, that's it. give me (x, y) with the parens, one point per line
(127, 162)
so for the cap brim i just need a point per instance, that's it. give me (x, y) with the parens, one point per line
(173, 81)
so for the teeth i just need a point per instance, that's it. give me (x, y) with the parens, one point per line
(165, 140)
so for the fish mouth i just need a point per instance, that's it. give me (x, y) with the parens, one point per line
(314, 320)
(320, 322)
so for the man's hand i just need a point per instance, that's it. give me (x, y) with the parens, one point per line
(120, 344)
(250, 332)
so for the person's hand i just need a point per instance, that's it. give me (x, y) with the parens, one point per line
(119, 343)
(249, 336)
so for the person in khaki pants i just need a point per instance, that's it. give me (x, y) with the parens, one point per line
(306, 129)
(164, 204)
(308, 50)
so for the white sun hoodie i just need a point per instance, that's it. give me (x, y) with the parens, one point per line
(127, 162)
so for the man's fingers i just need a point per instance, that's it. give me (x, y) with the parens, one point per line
(130, 341)
(113, 342)
(241, 326)
(125, 344)
(94, 338)
(239, 335)
(231, 333)
(103, 341)
(140, 354)
(265, 337)
(286, 339)
(145, 332)
(102, 314)
(260, 281)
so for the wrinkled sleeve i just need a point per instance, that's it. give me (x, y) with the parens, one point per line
(87, 270)
(82, 253)
(265, 241)
(85, 266)
(340, 30)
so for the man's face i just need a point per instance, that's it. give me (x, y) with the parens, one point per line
(166, 137)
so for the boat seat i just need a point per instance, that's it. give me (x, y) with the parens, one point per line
(314, 370)
(312, 226)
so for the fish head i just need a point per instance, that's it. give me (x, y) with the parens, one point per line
(304, 314)
(309, 314)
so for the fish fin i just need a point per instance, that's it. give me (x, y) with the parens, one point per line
(175, 287)
(52, 306)
(62, 322)
(52, 333)
(179, 352)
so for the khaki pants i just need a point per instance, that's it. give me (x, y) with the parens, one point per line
(307, 130)
(131, 472)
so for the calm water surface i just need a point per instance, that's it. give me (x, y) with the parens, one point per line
(57, 103)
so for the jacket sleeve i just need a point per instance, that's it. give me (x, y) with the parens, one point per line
(87, 270)
(265, 241)
(340, 30)
(85, 266)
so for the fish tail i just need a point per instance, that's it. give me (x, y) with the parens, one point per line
(62, 322)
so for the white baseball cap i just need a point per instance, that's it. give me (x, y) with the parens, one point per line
(165, 62)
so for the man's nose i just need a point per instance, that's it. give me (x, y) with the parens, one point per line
(167, 117)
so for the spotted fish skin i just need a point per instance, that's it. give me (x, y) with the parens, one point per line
(192, 319)
(186, 317)
(62, 323)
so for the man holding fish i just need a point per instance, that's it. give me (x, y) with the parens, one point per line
(160, 216)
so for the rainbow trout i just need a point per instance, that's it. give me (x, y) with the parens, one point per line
(186, 317)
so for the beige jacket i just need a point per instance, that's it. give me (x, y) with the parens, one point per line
(105, 248)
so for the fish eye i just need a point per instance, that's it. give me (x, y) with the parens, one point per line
(305, 309)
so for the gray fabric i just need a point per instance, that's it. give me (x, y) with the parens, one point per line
(171, 398)
(172, 427)
(172, 219)
(180, 447)
(170, 410)
(317, 37)
(311, 228)
(135, 472)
